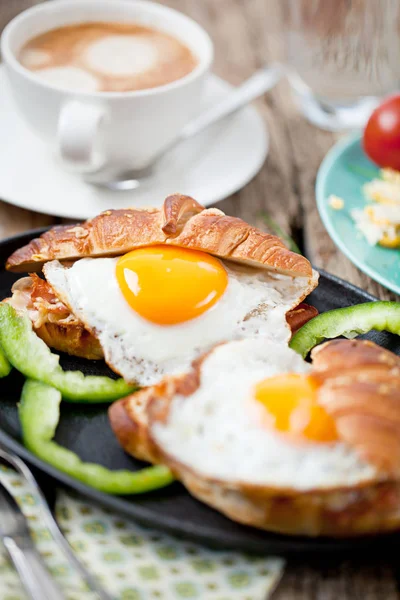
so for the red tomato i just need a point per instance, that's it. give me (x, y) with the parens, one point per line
(381, 139)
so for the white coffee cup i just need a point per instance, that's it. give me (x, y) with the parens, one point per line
(95, 132)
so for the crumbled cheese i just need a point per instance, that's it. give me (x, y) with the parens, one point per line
(335, 202)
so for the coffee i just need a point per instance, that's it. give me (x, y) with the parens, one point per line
(107, 57)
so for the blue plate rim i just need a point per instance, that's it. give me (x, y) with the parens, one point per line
(330, 159)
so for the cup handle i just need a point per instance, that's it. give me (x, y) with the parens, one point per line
(79, 126)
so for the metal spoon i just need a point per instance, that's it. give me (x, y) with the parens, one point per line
(259, 83)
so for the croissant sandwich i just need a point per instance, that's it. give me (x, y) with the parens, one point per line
(272, 442)
(150, 289)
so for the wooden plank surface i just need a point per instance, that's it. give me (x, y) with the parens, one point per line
(247, 34)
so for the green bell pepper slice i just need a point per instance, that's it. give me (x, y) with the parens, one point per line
(349, 322)
(39, 413)
(34, 359)
(5, 366)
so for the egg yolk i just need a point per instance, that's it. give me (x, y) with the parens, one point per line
(291, 405)
(168, 285)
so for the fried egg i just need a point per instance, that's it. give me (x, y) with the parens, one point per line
(155, 309)
(255, 418)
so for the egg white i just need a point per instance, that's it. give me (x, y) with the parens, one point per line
(254, 304)
(219, 430)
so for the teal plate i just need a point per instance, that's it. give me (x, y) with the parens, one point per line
(343, 172)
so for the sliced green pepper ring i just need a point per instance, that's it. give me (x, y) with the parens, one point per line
(5, 366)
(34, 359)
(349, 322)
(39, 413)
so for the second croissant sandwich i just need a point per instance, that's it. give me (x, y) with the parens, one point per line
(274, 442)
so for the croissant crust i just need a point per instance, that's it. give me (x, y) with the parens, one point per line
(361, 390)
(181, 221)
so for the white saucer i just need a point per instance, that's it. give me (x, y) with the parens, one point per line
(209, 167)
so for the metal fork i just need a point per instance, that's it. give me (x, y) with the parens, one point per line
(17, 541)
(21, 468)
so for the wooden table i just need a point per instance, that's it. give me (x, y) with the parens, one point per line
(246, 34)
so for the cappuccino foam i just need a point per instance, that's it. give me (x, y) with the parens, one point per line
(70, 78)
(107, 57)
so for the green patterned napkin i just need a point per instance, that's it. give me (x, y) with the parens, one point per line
(133, 563)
